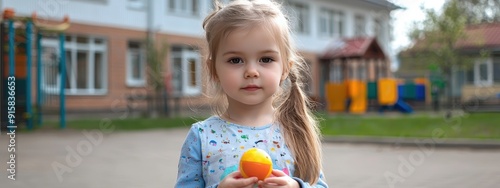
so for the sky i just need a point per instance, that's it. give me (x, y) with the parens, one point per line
(403, 19)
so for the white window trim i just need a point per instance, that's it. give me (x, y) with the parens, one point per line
(489, 73)
(360, 25)
(306, 12)
(338, 17)
(74, 47)
(187, 89)
(131, 82)
(177, 10)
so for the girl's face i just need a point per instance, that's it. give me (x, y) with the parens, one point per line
(249, 66)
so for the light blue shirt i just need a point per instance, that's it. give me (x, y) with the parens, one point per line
(213, 147)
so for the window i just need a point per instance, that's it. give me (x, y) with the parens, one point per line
(136, 4)
(300, 22)
(184, 7)
(331, 23)
(192, 73)
(378, 29)
(136, 65)
(483, 71)
(186, 71)
(86, 65)
(496, 69)
(50, 70)
(359, 24)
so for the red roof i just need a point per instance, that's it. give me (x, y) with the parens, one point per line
(353, 47)
(481, 36)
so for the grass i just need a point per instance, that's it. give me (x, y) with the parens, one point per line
(481, 125)
(477, 126)
(127, 124)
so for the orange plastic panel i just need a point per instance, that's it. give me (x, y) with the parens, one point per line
(359, 98)
(387, 91)
(336, 95)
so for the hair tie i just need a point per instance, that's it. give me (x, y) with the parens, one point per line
(292, 77)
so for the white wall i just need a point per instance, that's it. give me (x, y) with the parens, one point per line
(113, 13)
(116, 13)
(312, 42)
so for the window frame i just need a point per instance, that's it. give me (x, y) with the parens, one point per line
(496, 66)
(302, 14)
(72, 46)
(489, 72)
(378, 29)
(130, 80)
(360, 25)
(334, 23)
(186, 88)
(188, 10)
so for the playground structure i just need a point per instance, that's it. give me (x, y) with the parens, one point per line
(16, 61)
(354, 96)
(356, 76)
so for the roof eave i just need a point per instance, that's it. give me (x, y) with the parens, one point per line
(387, 4)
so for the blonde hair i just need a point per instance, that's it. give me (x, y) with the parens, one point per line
(299, 127)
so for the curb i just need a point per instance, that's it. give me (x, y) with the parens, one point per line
(415, 142)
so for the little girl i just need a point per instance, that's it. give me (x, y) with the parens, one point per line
(255, 74)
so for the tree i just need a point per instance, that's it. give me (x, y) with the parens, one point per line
(155, 56)
(480, 11)
(436, 42)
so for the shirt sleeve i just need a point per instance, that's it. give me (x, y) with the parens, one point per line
(321, 182)
(190, 173)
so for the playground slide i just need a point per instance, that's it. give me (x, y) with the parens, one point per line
(403, 107)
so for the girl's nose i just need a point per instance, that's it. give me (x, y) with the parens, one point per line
(251, 71)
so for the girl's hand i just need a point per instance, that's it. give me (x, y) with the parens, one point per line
(236, 180)
(279, 179)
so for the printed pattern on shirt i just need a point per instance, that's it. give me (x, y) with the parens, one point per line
(223, 143)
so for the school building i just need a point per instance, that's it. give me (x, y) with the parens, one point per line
(105, 51)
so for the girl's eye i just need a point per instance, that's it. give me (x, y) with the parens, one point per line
(235, 60)
(266, 60)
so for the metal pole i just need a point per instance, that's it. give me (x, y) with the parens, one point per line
(149, 21)
(39, 68)
(62, 105)
(11, 60)
(11, 48)
(29, 31)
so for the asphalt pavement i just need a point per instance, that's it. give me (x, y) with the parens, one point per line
(108, 158)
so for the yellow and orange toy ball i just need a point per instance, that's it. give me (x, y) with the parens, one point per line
(256, 163)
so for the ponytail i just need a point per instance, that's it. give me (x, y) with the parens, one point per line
(301, 131)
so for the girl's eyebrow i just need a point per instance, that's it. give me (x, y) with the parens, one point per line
(261, 52)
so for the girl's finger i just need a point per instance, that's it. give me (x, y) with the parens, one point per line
(275, 181)
(278, 173)
(243, 182)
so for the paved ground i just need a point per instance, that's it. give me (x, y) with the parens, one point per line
(149, 159)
